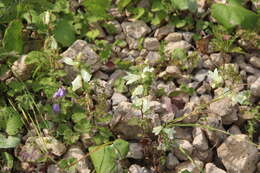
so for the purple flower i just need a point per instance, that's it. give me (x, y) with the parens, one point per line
(60, 93)
(56, 108)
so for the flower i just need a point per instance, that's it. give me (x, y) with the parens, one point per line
(56, 108)
(60, 93)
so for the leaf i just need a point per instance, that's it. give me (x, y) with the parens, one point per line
(104, 158)
(97, 9)
(69, 61)
(86, 76)
(157, 130)
(185, 171)
(76, 117)
(93, 34)
(131, 78)
(8, 159)
(138, 13)
(13, 125)
(76, 83)
(234, 15)
(12, 40)
(122, 4)
(9, 142)
(64, 33)
(138, 91)
(83, 126)
(190, 5)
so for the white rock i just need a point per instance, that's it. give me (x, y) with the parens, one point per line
(255, 88)
(171, 46)
(195, 167)
(187, 36)
(54, 169)
(135, 151)
(186, 146)
(173, 37)
(199, 139)
(151, 43)
(201, 75)
(171, 161)
(173, 70)
(135, 29)
(137, 169)
(77, 153)
(238, 155)
(255, 61)
(163, 31)
(211, 168)
(118, 98)
(153, 58)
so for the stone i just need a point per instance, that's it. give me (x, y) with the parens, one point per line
(163, 31)
(123, 113)
(187, 36)
(255, 88)
(186, 146)
(234, 130)
(116, 75)
(225, 109)
(116, 25)
(189, 107)
(135, 151)
(240, 60)
(258, 166)
(20, 69)
(171, 46)
(118, 98)
(183, 133)
(54, 169)
(193, 167)
(133, 53)
(101, 75)
(135, 29)
(53, 145)
(96, 26)
(211, 168)
(102, 87)
(77, 153)
(205, 156)
(201, 75)
(166, 87)
(137, 169)
(144, 4)
(255, 61)
(200, 141)
(173, 70)
(173, 37)
(251, 79)
(132, 43)
(171, 161)
(151, 43)
(214, 137)
(87, 56)
(153, 58)
(219, 59)
(238, 155)
(116, 13)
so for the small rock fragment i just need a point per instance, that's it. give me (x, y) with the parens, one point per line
(135, 29)
(171, 161)
(195, 167)
(163, 31)
(238, 155)
(184, 145)
(173, 37)
(199, 139)
(118, 98)
(137, 169)
(151, 43)
(211, 168)
(135, 151)
(153, 58)
(171, 46)
(255, 88)
(21, 69)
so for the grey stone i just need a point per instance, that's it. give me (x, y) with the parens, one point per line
(163, 31)
(171, 161)
(115, 75)
(226, 109)
(132, 43)
(205, 156)
(183, 133)
(255, 88)
(118, 98)
(201, 75)
(219, 59)
(258, 166)
(240, 60)
(171, 46)
(143, 52)
(153, 58)
(133, 53)
(137, 169)
(135, 151)
(167, 87)
(186, 146)
(20, 69)
(135, 29)
(87, 56)
(200, 141)
(251, 79)
(101, 75)
(121, 37)
(238, 155)
(255, 61)
(151, 43)
(189, 107)
(215, 137)
(77, 153)
(144, 4)
(193, 167)
(187, 36)
(211, 168)
(173, 70)
(234, 130)
(54, 169)
(173, 37)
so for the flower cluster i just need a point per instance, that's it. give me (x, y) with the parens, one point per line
(57, 95)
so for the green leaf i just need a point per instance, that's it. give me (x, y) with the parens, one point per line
(190, 5)
(13, 125)
(86, 76)
(97, 9)
(93, 34)
(64, 33)
(131, 78)
(139, 90)
(9, 142)
(234, 15)
(12, 40)
(122, 4)
(8, 159)
(76, 83)
(76, 117)
(138, 13)
(185, 171)
(83, 126)
(157, 130)
(104, 158)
